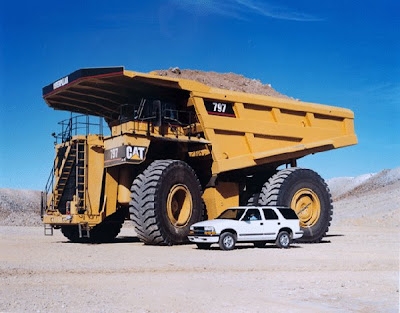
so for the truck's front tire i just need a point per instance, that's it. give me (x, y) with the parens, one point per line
(166, 200)
(71, 233)
(307, 194)
(106, 231)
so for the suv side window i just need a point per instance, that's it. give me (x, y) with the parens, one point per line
(270, 214)
(252, 215)
(289, 214)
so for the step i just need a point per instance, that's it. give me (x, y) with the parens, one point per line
(48, 230)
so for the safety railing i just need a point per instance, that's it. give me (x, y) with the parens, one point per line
(79, 125)
(180, 121)
(46, 202)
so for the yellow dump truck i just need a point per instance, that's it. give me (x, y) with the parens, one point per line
(179, 152)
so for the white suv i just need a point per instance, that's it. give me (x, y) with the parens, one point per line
(248, 224)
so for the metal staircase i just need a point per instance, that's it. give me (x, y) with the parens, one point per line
(65, 169)
(68, 177)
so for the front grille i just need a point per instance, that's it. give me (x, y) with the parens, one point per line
(198, 230)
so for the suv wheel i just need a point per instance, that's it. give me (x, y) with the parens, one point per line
(227, 241)
(283, 240)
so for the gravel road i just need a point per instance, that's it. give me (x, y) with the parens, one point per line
(356, 269)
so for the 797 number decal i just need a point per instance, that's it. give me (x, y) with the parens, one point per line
(219, 108)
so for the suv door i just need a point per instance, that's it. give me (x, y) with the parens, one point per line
(271, 224)
(251, 226)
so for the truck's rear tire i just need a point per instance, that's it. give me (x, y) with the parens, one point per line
(253, 200)
(166, 200)
(307, 194)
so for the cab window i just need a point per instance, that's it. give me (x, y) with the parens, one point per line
(270, 214)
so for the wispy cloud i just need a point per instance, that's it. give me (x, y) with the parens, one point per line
(241, 9)
(387, 92)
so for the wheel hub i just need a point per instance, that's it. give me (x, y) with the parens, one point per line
(228, 241)
(284, 240)
(307, 206)
(179, 205)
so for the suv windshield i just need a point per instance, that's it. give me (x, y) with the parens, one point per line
(231, 214)
(289, 214)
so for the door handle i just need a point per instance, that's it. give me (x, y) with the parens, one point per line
(279, 223)
(261, 223)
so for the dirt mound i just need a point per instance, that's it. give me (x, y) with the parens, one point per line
(228, 81)
(368, 199)
(371, 199)
(345, 187)
(20, 207)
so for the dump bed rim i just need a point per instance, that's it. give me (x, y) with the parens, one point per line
(195, 88)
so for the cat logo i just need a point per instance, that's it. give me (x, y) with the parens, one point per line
(135, 153)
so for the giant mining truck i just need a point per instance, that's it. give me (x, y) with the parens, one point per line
(178, 152)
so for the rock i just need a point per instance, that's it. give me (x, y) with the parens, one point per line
(176, 70)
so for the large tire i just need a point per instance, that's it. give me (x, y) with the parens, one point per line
(166, 201)
(71, 233)
(307, 194)
(109, 228)
(106, 231)
(254, 199)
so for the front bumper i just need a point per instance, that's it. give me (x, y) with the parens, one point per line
(204, 239)
(64, 220)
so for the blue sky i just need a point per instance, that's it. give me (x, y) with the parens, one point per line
(343, 53)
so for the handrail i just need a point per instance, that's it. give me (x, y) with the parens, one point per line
(78, 125)
(48, 189)
(163, 115)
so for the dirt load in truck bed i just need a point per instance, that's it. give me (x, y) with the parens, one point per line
(228, 81)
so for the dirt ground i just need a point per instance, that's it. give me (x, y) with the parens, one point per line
(356, 269)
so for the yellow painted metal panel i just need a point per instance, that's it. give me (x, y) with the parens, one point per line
(218, 199)
(76, 219)
(262, 134)
(95, 170)
(126, 174)
(111, 189)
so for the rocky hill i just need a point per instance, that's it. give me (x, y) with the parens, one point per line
(20, 207)
(370, 199)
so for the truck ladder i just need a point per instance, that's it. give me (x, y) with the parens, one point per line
(81, 183)
(83, 230)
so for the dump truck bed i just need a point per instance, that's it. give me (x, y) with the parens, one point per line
(245, 130)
